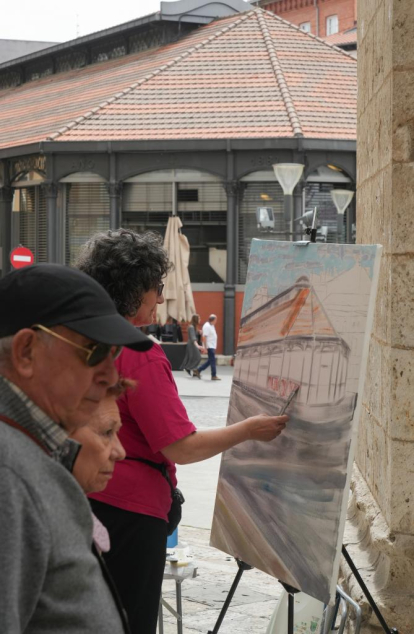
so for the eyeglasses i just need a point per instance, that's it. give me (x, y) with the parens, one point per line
(160, 289)
(95, 352)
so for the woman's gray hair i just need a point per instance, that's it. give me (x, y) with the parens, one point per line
(126, 264)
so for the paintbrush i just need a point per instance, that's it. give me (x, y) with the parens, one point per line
(289, 400)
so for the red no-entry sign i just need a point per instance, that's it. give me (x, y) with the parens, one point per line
(21, 257)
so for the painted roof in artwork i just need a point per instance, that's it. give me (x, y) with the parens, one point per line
(295, 313)
(252, 75)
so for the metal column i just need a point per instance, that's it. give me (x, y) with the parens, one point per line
(51, 193)
(297, 208)
(6, 201)
(231, 273)
(115, 191)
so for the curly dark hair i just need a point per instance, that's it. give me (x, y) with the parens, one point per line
(126, 264)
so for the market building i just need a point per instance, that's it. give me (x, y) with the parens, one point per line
(181, 112)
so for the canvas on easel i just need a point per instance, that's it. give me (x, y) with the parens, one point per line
(306, 323)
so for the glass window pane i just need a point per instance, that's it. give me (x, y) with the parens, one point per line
(30, 205)
(319, 195)
(332, 25)
(255, 198)
(27, 234)
(202, 208)
(87, 212)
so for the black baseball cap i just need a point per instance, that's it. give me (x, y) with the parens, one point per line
(56, 295)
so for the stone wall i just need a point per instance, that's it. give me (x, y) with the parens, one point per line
(380, 530)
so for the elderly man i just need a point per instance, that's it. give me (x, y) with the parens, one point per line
(59, 335)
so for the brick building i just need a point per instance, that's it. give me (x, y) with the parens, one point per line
(323, 18)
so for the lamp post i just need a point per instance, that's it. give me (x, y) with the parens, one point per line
(288, 175)
(342, 199)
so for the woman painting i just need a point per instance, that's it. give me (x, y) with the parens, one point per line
(193, 350)
(155, 427)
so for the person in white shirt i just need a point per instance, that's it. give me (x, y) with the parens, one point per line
(209, 342)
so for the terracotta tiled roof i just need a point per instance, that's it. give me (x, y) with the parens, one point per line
(346, 37)
(252, 75)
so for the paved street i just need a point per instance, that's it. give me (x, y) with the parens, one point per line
(206, 402)
(257, 594)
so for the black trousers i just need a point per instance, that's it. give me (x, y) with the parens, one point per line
(136, 562)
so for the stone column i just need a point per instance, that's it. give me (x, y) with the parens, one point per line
(380, 529)
(6, 201)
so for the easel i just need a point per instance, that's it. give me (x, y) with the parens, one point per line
(242, 567)
(310, 231)
(291, 599)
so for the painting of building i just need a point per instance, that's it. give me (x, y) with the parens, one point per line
(289, 342)
(307, 313)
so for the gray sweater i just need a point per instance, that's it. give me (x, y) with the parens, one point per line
(50, 582)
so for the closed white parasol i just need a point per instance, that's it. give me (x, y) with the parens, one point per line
(179, 302)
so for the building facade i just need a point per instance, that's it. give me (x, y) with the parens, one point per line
(165, 116)
(323, 18)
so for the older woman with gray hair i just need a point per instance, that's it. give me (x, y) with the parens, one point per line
(155, 427)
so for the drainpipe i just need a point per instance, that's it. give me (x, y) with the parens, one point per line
(315, 4)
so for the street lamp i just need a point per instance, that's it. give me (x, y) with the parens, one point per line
(288, 175)
(341, 198)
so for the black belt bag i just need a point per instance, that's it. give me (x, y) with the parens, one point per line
(177, 498)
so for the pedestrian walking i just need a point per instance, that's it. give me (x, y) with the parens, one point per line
(59, 335)
(193, 349)
(209, 337)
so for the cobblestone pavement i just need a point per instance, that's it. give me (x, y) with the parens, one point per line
(251, 607)
(256, 597)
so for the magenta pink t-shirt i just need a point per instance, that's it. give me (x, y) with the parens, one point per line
(153, 417)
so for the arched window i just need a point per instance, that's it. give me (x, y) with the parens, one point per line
(198, 199)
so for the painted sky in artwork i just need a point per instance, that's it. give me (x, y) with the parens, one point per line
(279, 269)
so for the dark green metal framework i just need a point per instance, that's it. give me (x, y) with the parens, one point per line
(230, 160)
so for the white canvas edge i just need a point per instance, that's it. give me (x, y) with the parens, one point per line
(357, 413)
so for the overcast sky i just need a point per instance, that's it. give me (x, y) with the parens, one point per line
(62, 20)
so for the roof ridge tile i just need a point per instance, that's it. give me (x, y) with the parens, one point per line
(312, 35)
(280, 78)
(132, 87)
